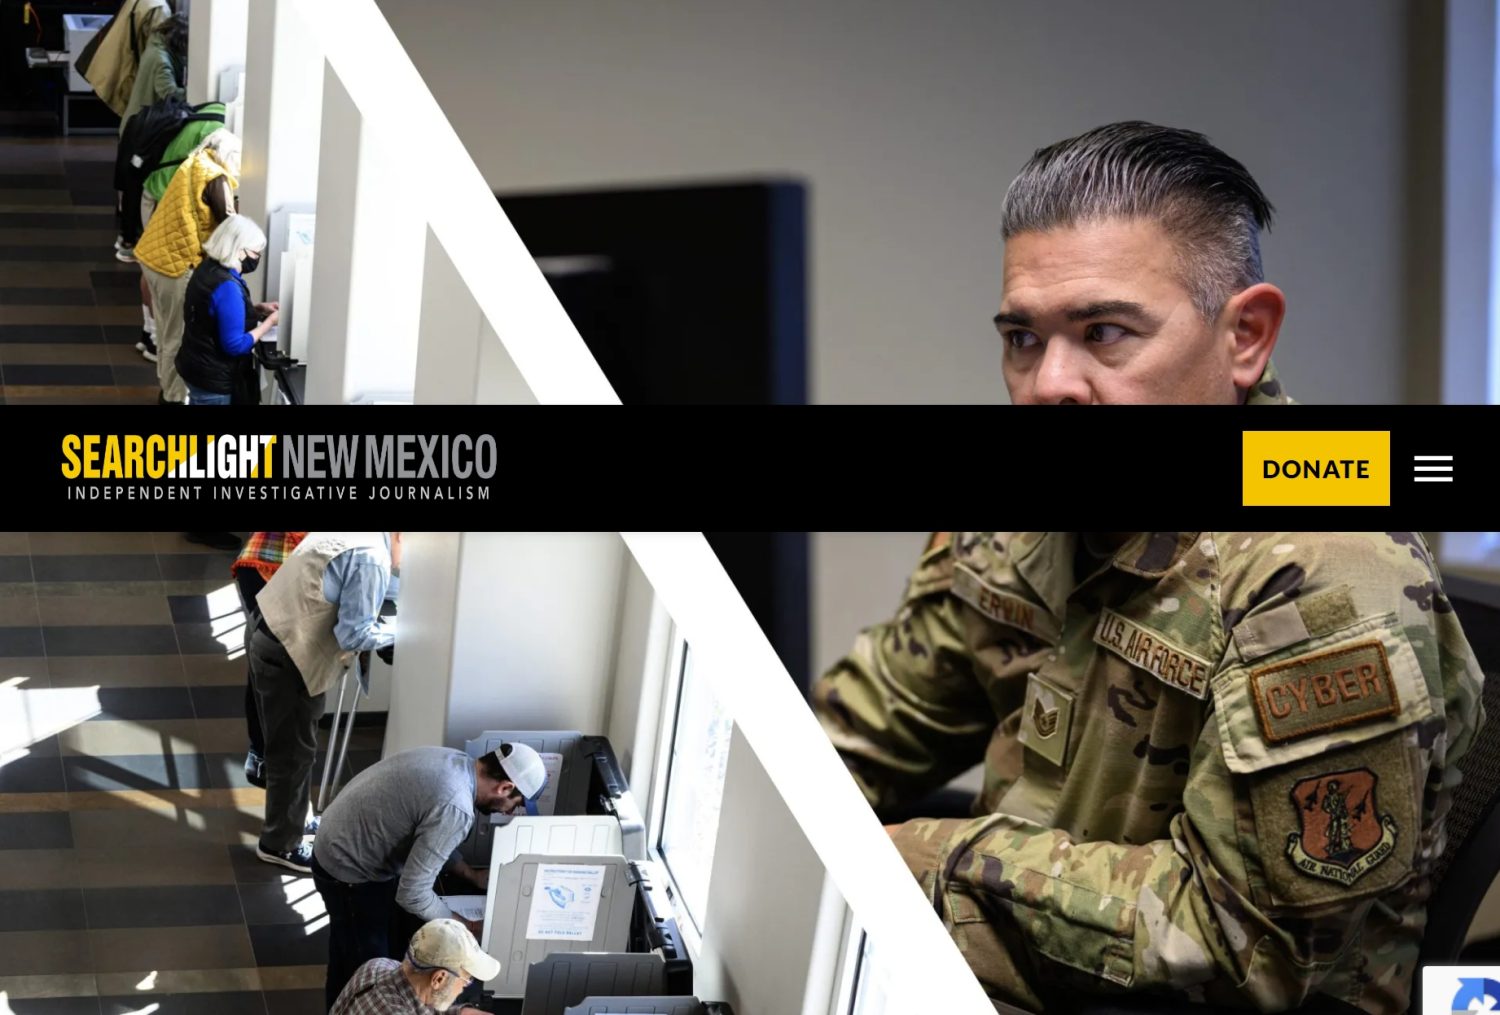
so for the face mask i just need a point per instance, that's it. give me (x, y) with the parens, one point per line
(249, 264)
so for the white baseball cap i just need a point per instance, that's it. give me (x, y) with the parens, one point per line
(524, 767)
(447, 944)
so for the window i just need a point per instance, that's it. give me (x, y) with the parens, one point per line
(869, 989)
(694, 790)
(862, 989)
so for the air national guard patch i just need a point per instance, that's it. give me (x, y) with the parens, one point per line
(1147, 649)
(1343, 834)
(1324, 691)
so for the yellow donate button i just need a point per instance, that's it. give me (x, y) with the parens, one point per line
(1311, 468)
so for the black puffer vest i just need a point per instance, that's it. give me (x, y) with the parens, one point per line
(201, 361)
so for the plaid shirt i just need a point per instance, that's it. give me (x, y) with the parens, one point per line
(379, 988)
(265, 551)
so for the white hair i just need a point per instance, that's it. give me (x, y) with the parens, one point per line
(234, 238)
(225, 146)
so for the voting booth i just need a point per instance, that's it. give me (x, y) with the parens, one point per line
(637, 1006)
(542, 904)
(583, 778)
(573, 909)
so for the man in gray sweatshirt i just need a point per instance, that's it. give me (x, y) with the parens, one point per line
(392, 830)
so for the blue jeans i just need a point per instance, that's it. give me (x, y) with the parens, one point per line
(197, 396)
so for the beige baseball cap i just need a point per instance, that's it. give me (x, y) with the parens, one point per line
(447, 944)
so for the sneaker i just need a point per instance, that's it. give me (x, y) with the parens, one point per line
(147, 347)
(298, 858)
(255, 769)
(311, 828)
(125, 254)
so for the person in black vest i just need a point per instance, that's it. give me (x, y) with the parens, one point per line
(221, 324)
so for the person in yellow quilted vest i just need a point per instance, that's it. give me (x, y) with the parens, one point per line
(199, 198)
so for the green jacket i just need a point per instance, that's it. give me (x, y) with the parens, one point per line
(188, 138)
(155, 79)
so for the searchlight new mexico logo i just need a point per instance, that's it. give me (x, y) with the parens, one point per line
(1460, 989)
(302, 467)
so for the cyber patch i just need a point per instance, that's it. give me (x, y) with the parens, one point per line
(1343, 834)
(1324, 691)
(1147, 649)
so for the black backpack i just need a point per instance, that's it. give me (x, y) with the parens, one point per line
(142, 145)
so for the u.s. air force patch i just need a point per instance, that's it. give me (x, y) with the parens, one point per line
(1343, 833)
(1140, 646)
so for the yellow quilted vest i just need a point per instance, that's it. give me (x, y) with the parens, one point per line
(172, 244)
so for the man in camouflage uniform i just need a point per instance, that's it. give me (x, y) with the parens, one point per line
(1133, 275)
(1215, 764)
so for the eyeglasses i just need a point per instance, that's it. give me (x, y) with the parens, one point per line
(463, 978)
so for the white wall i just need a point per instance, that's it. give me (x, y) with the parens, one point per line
(504, 630)
(368, 270)
(639, 673)
(909, 120)
(763, 897)
(215, 43)
(283, 113)
(536, 631)
(425, 633)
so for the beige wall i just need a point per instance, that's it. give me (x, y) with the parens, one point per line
(908, 120)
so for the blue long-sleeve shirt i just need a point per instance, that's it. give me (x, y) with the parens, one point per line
(227, 307)
(359, 581)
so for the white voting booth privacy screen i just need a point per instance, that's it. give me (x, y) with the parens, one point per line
(565, 902)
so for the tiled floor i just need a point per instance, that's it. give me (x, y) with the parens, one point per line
(69, 312)
(127, 829)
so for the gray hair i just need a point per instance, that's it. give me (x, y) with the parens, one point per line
(235, 235)
(226, 148)
(1208, 202)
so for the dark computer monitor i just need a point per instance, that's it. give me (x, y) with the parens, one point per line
(693, 295)
(686, 295)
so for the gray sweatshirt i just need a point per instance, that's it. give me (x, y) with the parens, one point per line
(402, 817)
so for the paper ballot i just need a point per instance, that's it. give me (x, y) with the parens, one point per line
(470, 907)
(565, 902)
(553, 764)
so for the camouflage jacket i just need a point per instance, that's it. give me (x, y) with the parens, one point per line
(1216, 764)
(1269, 389)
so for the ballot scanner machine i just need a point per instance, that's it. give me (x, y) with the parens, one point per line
(574, 912)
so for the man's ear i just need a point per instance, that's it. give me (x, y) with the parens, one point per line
(1251, 321)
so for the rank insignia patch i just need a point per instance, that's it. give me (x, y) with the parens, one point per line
(1343, 835)
(1044, 719)
(1046, 716)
